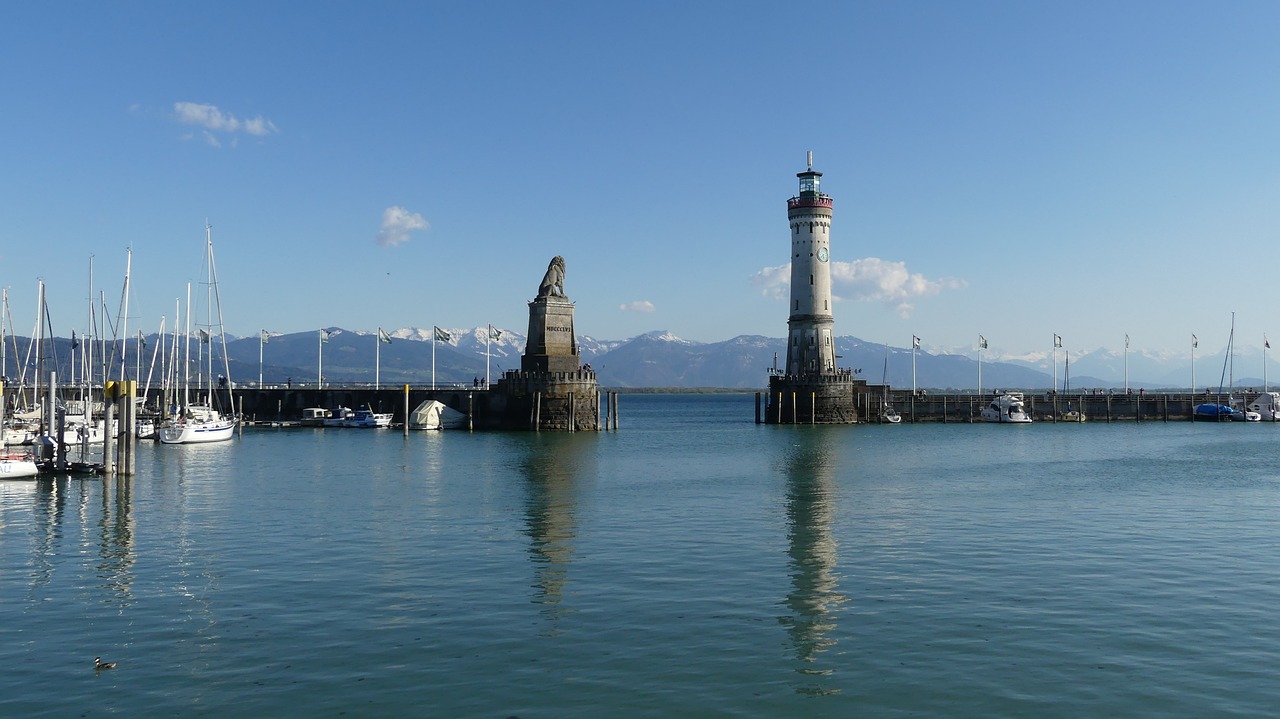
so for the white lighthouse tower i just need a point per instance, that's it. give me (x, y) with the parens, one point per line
(810, 388)
(810, 347)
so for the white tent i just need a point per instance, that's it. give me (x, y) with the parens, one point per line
(435, 415)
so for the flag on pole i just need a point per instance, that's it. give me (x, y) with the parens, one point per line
(1126, 340)
(204, 337)
(441, 335)
(263, 336)
(494, 332)
(74, 342)
(1194, 342)
(982, 342)
(1057, 341)
(142, 341)
(324, 336)
(383, 336)
(1265, 342)
(915, 342)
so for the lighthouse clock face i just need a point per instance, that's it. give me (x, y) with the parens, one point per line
(822, 254)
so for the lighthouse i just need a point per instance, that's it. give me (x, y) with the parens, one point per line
(810, 346)
(810, 388)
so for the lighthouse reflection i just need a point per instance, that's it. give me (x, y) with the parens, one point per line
(815, 599)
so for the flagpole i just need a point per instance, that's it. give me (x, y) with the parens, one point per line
(320, 364)
(1057, 340)
(915, 341)
(377, 359)
(981, 343)
(434, 341)
(262, 334)
(1194, 342)
(487, 335)
(1126, 364)
(1266, 345)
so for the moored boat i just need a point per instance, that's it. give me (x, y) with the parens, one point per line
(1007, 408)
(1211, 412)
(314, 416)
(1267, 405)
(433, 414)
(17, 465)
(365, 418)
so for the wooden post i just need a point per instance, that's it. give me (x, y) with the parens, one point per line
(573, 412)
(108, 438)
(757, 409)
(406, 410)
(537, 411)
(813, 407)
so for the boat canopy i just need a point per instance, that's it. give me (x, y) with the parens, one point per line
(433, 414)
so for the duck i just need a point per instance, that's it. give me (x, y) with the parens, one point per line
(99, 664)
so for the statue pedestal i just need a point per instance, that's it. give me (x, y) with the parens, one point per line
(552, 345)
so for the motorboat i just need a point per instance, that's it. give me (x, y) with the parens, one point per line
(365, 418)
(1006, 408)
(314, 416)
(433, 414)
(17, 465)
(1267, 405)
(337, 417)
(1211, 412)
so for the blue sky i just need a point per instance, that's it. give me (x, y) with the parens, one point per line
(1010, 169)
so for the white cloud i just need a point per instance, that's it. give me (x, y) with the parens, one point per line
(397, 223)
(637, 306)
(870, 279)
(214, 120)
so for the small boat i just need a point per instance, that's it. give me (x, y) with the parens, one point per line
(337, 417)
(1072, 415)
(197, 425)
(1210, 412)
(1267, 405)
(17, 465)
(433, 414)
(365, 418)
(889, 414)
(201, 423)
(1005, 409)
(314, 416)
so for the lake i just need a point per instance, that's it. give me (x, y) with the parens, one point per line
(692, 564)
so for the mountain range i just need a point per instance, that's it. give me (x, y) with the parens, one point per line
(660, 359)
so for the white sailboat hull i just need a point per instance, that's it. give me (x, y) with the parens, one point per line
(17, 466)
(197, 432)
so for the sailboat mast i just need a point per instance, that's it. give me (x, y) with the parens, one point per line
(124, 314)
(186, 362)
(217, 296)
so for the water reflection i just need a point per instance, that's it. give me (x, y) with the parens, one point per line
(116, 548)
(815, 599)
(552, 465)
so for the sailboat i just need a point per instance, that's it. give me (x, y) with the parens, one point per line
(1071, 415)
(887, 412)
(1217, 412)
(202, 422)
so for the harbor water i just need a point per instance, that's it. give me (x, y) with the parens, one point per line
(692, 564)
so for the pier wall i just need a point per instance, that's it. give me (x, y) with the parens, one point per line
(1049, 407)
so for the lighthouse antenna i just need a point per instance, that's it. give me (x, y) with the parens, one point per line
(810, 158)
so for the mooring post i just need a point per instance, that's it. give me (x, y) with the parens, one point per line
(108, 437)
(757, 408)
(406, 410)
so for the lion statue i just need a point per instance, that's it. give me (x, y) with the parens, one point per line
(553, 282)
